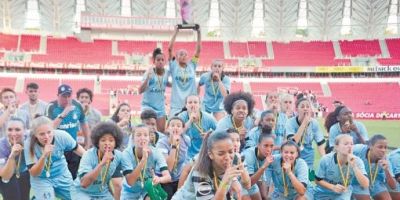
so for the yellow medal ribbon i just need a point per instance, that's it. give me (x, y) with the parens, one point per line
(285, 185)
(198, 125)
(372, 176)
(103, 173)
(184, 75)
(160, 80)
(214, 88)
(234, 125)
(345, 179)
(17, 173)
(47, 165)
(176, 157)
(143, 172)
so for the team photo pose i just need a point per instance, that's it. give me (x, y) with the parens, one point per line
(44, 156)
(183, 72)
(175, 150)
(378, 168)
(257, 160)
(289, 174)
(100, 164)
(337, 170)
(122, 117)
(154, 82)
(340, 121)
(14, 175)
(216, 86)
(239, 106)
(266, 125)
(214, 173)
(304, 129)
(144, 161)
(197, 123)
(248, 191)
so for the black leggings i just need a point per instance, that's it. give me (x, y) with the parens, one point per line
(73, 162)
(170, 188)
(16, 189)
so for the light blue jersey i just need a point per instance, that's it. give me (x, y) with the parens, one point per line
(313, 133)
(213, 99)
(183, 83)
(59, 180)
(98, 189)
(329, 171)
(300, 170)
(154, 96)
(280, 129)
(155, 161)
(379, 185)
(194, 131)
(394, 159)
(226, 122)
(165, 148)
(253, 163)
(335, 130)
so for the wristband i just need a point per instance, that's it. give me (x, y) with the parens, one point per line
(173, 146)
(224, 185)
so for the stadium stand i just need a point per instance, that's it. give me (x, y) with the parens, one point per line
(30, 43)
(257, 48)
(368, 97)
(8, 82)
(239, 49)
(360, 48)
(8, 42)
(302, 54)
(137, 47)
(71, 50)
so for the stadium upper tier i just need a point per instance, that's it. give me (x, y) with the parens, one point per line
(70, 50)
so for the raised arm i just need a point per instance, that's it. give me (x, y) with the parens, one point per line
(198, 44)
(171, 44)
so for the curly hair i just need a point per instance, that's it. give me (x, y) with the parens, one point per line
(331, 118)
(104, 128)
(231, 98)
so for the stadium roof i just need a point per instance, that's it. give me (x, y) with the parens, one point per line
(281, 20)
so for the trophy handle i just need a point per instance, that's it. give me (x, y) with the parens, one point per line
(189, 26)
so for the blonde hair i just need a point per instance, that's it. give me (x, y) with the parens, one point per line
(36, 123)
(340, 137)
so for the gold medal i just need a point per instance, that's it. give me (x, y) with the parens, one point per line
(47, 174)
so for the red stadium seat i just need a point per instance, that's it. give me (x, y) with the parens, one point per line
(8, 82)
(360, 48)
(30, 43)
(8, 42)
